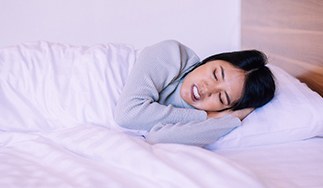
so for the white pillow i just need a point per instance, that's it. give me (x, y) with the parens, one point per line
(295, 113)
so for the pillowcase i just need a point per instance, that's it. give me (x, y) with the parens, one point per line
(295, 113)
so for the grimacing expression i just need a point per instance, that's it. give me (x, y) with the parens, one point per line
(213, 86)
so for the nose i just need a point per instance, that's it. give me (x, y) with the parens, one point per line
(211, 88)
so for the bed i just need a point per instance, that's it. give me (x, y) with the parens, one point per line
(57, 127)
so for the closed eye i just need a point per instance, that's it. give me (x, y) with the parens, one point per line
(214, 74)
(220, 98)
(224, 99)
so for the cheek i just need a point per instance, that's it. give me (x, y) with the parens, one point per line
(185, 92)
(211, 105)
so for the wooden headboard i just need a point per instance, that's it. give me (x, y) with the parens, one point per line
(290, 32)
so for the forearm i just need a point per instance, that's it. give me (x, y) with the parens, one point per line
(193, 133)
(145, 116)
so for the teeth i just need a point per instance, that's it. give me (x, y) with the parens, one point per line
(196, 92)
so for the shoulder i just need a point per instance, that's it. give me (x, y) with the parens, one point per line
(169, 43)
(169, 51)
(168, 58)
(166, 46)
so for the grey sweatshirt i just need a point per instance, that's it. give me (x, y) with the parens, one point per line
(151, 99)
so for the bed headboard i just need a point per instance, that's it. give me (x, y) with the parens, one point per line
(290, 32)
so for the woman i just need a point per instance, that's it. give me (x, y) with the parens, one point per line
(178, 99)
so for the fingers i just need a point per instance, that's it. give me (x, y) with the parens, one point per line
(243, 113)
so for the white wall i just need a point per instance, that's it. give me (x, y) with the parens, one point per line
(207, 26)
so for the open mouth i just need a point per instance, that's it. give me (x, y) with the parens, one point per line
(195, 93)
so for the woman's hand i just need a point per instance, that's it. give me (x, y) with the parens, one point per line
(241, 114)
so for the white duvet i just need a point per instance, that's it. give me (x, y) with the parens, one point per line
(57, 128)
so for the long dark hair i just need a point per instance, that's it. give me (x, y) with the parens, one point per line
(259, 85)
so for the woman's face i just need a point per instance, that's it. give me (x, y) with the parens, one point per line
(213, 86)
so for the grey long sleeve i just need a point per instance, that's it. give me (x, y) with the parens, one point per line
(195, 133)
(156, 68)
(154, 78)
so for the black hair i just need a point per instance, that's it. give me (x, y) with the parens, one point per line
(259, 87)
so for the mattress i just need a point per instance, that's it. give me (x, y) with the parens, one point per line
(57, 130)
(294, 164)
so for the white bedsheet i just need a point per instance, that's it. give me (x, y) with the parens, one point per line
(291, 165)
(57, 128)
(49, 85)
(92, 156)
